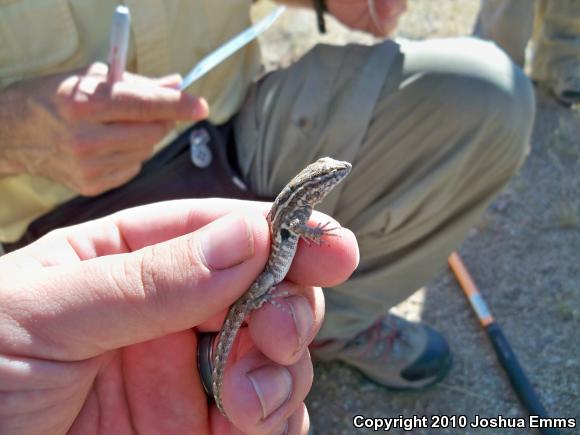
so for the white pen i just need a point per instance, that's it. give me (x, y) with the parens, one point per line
(119, 43)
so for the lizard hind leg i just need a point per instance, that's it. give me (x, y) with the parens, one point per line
(272, 297)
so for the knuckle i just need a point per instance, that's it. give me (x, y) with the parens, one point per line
(149, 286)
(80, 98)
(155, 281)
(149, 278)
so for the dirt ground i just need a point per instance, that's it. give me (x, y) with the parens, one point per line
(524, 254)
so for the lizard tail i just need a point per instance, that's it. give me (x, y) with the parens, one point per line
(232, 324)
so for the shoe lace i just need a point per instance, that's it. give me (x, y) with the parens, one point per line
(381, 341)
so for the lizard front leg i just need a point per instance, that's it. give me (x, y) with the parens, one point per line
(309, 233)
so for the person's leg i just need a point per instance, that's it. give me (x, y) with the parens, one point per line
(446, 128)
(508, 23)
(437, 150)
(556, 54)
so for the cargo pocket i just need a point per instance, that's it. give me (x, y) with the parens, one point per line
(35, 36)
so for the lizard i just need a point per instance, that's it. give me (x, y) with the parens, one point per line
(287, 221)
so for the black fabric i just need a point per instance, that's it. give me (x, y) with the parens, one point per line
(169, 175)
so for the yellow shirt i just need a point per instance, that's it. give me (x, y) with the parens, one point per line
(52, 36)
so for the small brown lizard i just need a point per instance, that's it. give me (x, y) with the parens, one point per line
(287, 220)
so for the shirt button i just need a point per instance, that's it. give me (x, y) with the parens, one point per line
(201, 155)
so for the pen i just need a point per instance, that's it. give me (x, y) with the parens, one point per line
(119, 42)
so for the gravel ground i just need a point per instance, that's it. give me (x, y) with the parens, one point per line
(524, 255)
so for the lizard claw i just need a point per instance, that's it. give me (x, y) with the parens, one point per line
(317, 234)
(328, 231)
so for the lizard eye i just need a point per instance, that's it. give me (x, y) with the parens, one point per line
(285, 234)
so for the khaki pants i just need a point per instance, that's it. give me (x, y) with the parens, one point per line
(434, 130)
(553, 26)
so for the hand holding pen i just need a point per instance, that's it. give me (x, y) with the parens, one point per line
(89, 135)
(92, 136)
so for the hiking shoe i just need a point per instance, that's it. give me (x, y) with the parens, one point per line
(393, 352)
(567, 90)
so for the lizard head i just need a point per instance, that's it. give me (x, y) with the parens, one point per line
(320, 177)
(308, 188)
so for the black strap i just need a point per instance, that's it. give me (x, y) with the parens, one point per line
(320, 8)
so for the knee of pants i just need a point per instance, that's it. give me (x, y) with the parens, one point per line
(505, 103)
(483, 96)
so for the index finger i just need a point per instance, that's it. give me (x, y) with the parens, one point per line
(142, 100)
(135, 228)
(325, 265)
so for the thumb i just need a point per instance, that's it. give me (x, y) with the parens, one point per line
(113, 301)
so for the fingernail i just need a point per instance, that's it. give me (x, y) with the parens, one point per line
(303, 318)
(227, 242)
(273, 386)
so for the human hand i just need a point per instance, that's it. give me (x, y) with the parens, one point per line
(86, 133)
(99, 323)
(359, 14)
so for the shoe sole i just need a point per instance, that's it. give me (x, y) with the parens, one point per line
(440, 376)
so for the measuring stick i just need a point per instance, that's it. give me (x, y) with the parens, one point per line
(503, 350)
